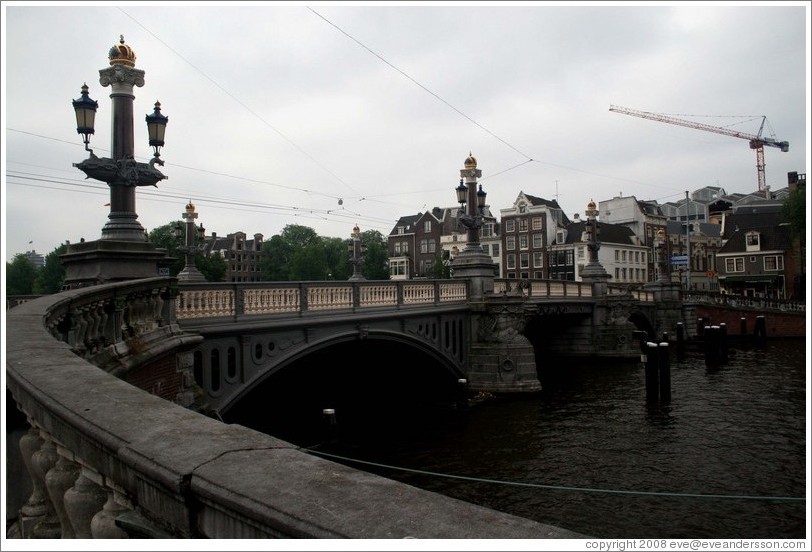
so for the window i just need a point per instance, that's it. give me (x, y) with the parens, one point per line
(537, 241)
(510, 225)
(495, 249)
(427, 227)
(774, 262)
(432, 246)
(405, 247)
(523, 225)
(510, 242)
(617, 255)
(538, 259)
(485, 248)
(401, 230)
(511, 261)
(424, 246)
(570, 260)
(397, 248)
(734, 264)
(523, 241)
(536, 223)
(623, 256)
(524, 259)
(752, 238)
(580, 253)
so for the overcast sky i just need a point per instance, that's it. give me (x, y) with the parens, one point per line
(329, 114)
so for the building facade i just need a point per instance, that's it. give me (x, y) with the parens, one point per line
(243, 256)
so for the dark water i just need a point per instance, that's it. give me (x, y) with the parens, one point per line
(739, 430)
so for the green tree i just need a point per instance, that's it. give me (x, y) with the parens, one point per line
(276, 256)
(441, 267)
(794, 211)
(337, 257)
(309, 263)
(281, 251)
(213, 266)
(20, 276)
(376, 258)
(51, 277)
(164, 236)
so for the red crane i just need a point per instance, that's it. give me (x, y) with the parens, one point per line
(757, 141)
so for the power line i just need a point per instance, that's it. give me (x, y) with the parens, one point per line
(365, 47)
(247, 108)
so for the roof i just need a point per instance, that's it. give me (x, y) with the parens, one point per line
(609, 233)
(745, 218)
(773, 238)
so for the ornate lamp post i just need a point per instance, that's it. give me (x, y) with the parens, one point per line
(123, 252)
(594, 272)
(472, 263)
(662, 258)
(190, 273)
(121, 172)
(357, 250)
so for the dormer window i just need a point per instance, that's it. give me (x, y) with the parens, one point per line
(752, 241)
(522, 208)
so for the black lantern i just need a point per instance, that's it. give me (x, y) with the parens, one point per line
(156, 125)
(480, 197)
(177, 230)
(462, 193)
(85, 109)
(201, 232)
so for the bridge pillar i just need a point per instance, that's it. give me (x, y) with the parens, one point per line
(500, 358)
(668, 301)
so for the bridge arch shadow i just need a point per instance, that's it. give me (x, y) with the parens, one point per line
(383, 380)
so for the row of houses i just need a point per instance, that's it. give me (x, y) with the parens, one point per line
(714, 241)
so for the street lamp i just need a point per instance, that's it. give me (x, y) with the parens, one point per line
(472, 263)
(121, 172)
(594, 272)
(357, 251)
(190, 273)
(662, 260)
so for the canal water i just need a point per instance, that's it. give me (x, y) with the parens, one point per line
(590, 455)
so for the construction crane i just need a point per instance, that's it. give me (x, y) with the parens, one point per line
(757, 141)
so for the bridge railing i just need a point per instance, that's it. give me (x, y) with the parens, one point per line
(109, 460)
(542, 288)
(206, 300)
(725, 299)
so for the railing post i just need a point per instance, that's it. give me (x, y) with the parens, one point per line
(302, 298)
(355, 289)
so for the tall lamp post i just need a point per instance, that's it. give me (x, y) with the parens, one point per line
(472, 262)
(357, 250)
(662, 258)
(123, 251)
(190, 273)
(594, 272)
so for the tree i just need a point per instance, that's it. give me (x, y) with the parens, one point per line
(51, 277)
(281, 249)
(20, 276)
(376, 258)
(794, 211)
(338, 260)
(441, 267)
(213, 267)
(309, 263)
(164, 236)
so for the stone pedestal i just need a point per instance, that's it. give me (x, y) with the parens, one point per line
(474, 265)
(103, 261)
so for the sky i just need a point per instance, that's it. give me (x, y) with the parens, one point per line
(328, 115)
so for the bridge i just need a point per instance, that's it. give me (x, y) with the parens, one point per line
(115, 380)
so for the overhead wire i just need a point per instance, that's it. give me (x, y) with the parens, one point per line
(246, 107)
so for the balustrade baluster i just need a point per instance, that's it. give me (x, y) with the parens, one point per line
(47, 527)
(83, 501)
(103, 525)
(58, 480)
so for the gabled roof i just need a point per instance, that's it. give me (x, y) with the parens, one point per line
(408, 222)
(746, 218)
(772, 238)
(553, 204)
(610, 233)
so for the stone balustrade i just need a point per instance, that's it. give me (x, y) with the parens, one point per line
(211, 300)
(109, 460)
